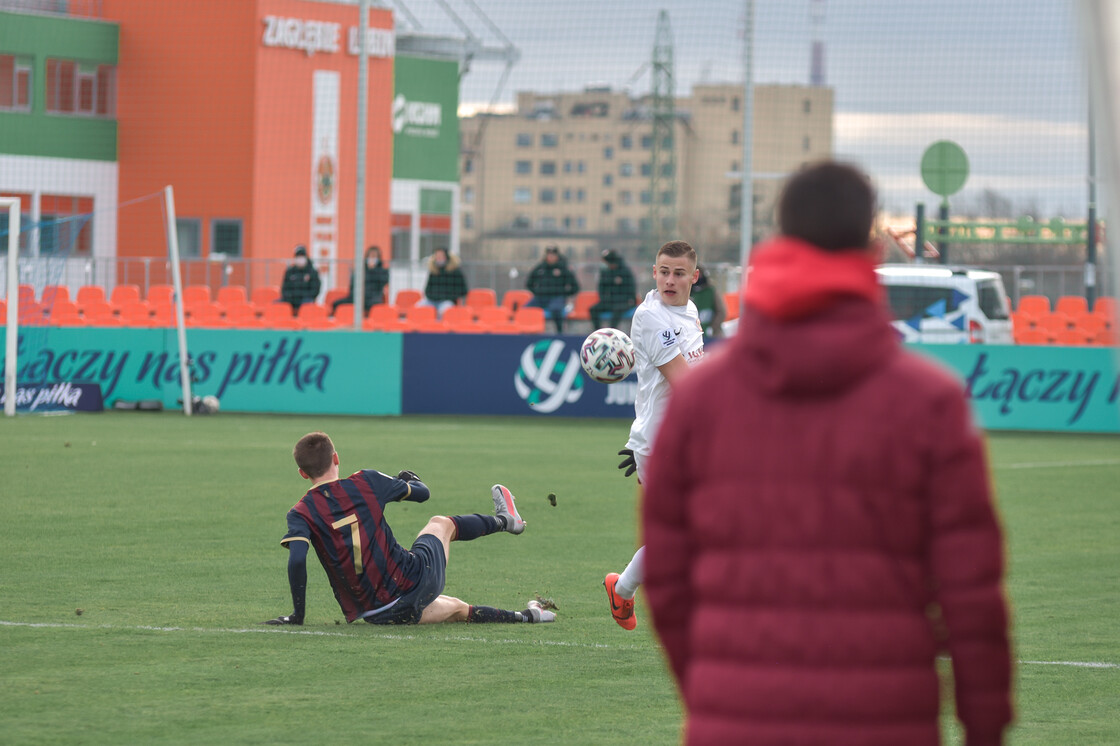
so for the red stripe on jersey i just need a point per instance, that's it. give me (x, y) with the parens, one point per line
(391, 567)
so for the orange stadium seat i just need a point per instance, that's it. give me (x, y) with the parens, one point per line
(1072, 305)
(53, 294)
(334, 294)
(344, 316)
(731, 301)
(481, 298)
(581, 307)
(315, 316)
(1105, 305)
(407, 298)
(196, 294)
(230, 295)
(161, 295)
(419, 314)
(1031, 337)
(494, 315)
(265, 295)
(515, 299)
(279, 316)
(124, 294)
(135, 313)
(1035, 305)
(241, 315)
(90, 294)
(529, 320)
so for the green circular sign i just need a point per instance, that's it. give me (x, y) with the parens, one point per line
(944, 168)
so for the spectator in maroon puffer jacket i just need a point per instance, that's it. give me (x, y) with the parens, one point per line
(817, 520)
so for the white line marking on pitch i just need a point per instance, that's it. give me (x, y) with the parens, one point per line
(393, 636)
(317, 633)
(1059, 464)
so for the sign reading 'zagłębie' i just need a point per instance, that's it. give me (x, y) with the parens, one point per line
(323, 37)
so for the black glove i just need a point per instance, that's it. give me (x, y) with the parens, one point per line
(284, 620)
(628, 462)
(407, 476)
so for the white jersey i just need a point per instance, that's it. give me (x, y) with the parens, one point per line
(660, 333)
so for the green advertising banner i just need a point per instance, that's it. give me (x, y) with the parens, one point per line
(426, 120)
(1037, 388)
(248, 370)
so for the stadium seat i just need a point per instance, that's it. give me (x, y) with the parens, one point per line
(481, 298)
(1091, 323)
(196, 294)
(203, 314)
(426, 326)
(231, 295)
(161, 295)
(732, 302)
(31, 314)
(1035, 305)
(103, 320)
(581, 307)
(263, 296)
(65, 313)
(26, 294)
(419, 314)
(1105, 305)
(163, 315)
(344, 316)
(1054, 322)
(135, 313)
(122, 295)
(384, 313)
(334, 294)
(1022, 320)
(1031, 337)
(515, 299)
(3, 311)
(315, 316)
(1073, 337)
(53, 294)
(529, 320)
(493, 315)
(279, 316)
(1072, 305)
(95, 310)
(1108, 337)
(90, 294)
(458, 315)
(407, 298)
(241, 315)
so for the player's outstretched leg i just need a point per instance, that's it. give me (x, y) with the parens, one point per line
(505, 508)
(534, 613)
(622, 609)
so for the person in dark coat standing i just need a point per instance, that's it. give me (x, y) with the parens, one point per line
(551, 282)
(818, 522)
(376, 278)
(301, 281)
(618, 292)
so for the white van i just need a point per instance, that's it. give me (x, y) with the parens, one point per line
(947, 305)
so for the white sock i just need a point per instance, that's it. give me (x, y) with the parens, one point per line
(631, 577)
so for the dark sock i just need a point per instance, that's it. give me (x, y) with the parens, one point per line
(469, 527)
(488, 614)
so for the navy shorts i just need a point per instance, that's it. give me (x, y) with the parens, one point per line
(433, 574)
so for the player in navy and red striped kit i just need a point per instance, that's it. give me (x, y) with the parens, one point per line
(372, 575)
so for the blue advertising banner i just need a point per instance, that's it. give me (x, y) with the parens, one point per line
(506, 375)
(248, 370)
(61, 396)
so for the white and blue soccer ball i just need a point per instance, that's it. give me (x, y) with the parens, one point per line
(607, 355)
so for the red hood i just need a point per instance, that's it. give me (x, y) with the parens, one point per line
(813, 323)
(791, 279)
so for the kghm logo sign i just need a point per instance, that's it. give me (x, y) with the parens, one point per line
(417, 118)
(545, 381)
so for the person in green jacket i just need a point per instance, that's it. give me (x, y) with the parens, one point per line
(617, 292)
(446, 285)
(552, 283)
(709, 304)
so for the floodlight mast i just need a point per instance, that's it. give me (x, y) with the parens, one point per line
(11, 204)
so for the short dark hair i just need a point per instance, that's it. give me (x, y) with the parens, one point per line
(313, 454)
(677, 248)
(830, 205)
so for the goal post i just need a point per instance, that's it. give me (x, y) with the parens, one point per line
(177, 282)
(12, 339)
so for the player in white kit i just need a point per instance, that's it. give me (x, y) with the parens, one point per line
(667, 339)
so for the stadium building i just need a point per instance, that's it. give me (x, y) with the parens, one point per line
(247, 109)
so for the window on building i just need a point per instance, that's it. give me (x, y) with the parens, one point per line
(607, 207)
(666, 198)
(608, 153)
(667, 142)
(580, 195)
(65, 224)
(626, 142)
(644, 225)
(567, 195)
(189, 234)
(626, 169)
(567, 223)
(468, 195)
(734, 167)
(807, 106)
(15, 82)
(78, 88)
(523, 167)
(226, 237)
(647, 169)
(625, 225)
(734, 103)
(468, 165)
(646, 197)
(666, 169)
(547, 195)
(546, 223)
(567, 167)
(607, 180)
(805, 144)
(647, 142)
(580, 167)
(522, 195)
(468, 220)
(548, 168)
(626, 197)
(524, 140)
(549, 140)
(734, 137)
(581, 222)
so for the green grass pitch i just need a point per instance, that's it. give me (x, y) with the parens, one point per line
(138, 552)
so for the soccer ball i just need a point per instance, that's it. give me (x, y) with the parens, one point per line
(607, 355)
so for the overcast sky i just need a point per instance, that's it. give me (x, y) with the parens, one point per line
(1003, 78)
